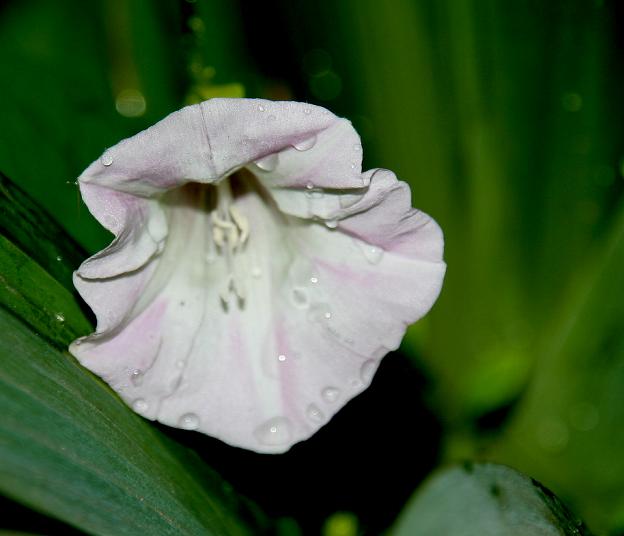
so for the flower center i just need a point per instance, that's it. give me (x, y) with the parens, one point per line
(228, 235)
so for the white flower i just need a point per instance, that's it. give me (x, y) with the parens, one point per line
(257, 276)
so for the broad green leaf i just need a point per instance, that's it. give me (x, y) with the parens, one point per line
(485, 500)
(70, 448)
(31, 294)
(27, 225)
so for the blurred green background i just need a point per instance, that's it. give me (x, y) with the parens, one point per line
(506, 119)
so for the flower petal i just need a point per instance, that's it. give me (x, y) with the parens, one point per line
(321, 310)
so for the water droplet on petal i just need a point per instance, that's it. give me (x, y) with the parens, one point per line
(261, 107)
(367, 371)
(189, 421)
(314, 413)
(107, 159)
(60, 317)
(314, 280)
(331, 224)
(306, 144)
(139, 405)
(136, 377)
(281, 358)
(300, 297)
(373, 254)
(307, 111)
(274, 432)
(330, 394)
(309, 186)
(319, 312)
(268, 163)
(353, 165)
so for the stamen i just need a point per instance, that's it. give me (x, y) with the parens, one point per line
(230, 232)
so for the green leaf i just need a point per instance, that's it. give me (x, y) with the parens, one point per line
(31, 294)
(27, 225)
(70, 448)
(486, 500)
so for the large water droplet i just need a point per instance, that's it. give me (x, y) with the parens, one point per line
(367, 371)
(306, 144)
(372, 254)
(107, 159)
(136, 377)
(140, 405)
(268, 163)
(314, 413)
(189, 421)
(300, 297)
(330, 394)
(331, 224)
(274, 432)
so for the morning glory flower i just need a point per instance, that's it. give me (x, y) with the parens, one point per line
(257, 277)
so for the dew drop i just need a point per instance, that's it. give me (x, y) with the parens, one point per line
(261, 107)
(353, 165)
(136, 377)
(367, 371)
(305, 145)
(319, 313)
(60, 317)
(314, 280)
(59, 258)
(268, 163)
(281, 358)
(107, 159)
(372, 254)
(331, 224)
(276, 431)
(330, 394)
(314, 413)
(189, 421)
(139, 405)
(307, 111)
(300, 297)
(309, 186)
